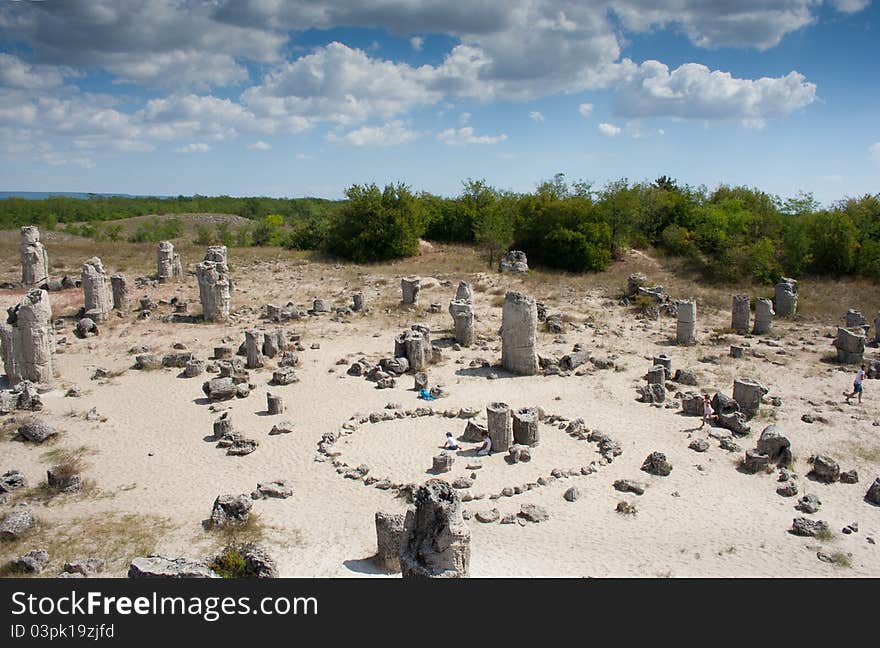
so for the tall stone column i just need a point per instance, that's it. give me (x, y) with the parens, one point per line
(525, 426)
(121, 299)
(740, 314)
(164, 261)
(389, 531)
(214, 287)
(252, 345)
(436, 539)
(686, 326)
(409, 288)
(27, 340)
(498, 424)
(786, 297)
(34, 260)
(463, 320)
(763, 316)
(519, 334)
(97, 293)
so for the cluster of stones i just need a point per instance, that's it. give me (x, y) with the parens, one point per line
(637, 286)
(214, 284)
(27, 340)
(462, 311)
(233, 381)
(257, 564)
(574, 362)
(660, 378)
(514, 261)
(516, 433)
(733, 413)
(23, 396)
(227, 438)
(168, 264)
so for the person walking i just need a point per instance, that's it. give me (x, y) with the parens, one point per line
(857, 385)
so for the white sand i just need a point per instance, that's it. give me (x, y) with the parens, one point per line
(151, 456)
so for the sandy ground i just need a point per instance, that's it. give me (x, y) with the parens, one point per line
(153, 472)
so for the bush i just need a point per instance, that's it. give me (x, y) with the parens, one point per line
(231, 562)
(377, 225)
(155, 230)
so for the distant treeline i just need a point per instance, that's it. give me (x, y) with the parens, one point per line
(728, 234)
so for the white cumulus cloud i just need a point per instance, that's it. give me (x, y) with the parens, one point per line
(390, 134)
(609, 130)
(585, 110)
(536, 117)
(465, 135)
(259, 146)
(194, 147)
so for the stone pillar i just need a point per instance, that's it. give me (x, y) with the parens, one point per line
(27, 340)
(176, 267)
(97, 293)
(274, 343)
(222, 426)
(634, 282)
(855, 319)
(740, 314)
(525, 426)
(464, 292)
(763, 316)
(254, 349)
(664, 361)
(850, 345)
(121, 300)
(686, 327)
(416, 353)
(34, 260)
(389, 530)
(463, 319)
(357, 304)
(217, 254)
(409, 287)
(214, 287)
(656, 375)
(786, 296)
(164, 261)
(499, 426)
(436, 540)
(274, 404)
(519, 322)
(748, 394)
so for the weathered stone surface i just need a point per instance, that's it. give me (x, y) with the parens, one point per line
(194, 368)
(214, 287)
(776, 446)
(85, 566)
(850, 344)
(748, 394)
(656, 375)
(97, 293)
(736, 351)
(435, 541)
(16, 523)
(634, 282)
(786, 297)
(488, 517)
(699, 445)
(409, 288)
(525, 427)
(849, 477)
(855, 319)
(572, 361)
(177, 359)
(156, 566)
(657, 464)
(119, 291)
(231, 509)
(808, 527)
(463, 321)
(571, 494)
(253, 348)
(499, 426)
(740, 314)
(519, 454)
(34, 260)
(652, 393)
(12, 480)
(36, 431)
(274, 404)
(825, 469)
(277, 489)
(284, 376)
(809, 504)
(27, 340)
(686, 322)
(755, 461)
(33, 562)
(533, 513)
(357, 301)
(61, 479)
(473, 432)
(519, 320)
(763, 316)
(389, 534)
(873, 494)
(442, 463)
(514, 261)
(147, 362)
(629, 486)
(165, 265)
(218, 389)
(685, 377)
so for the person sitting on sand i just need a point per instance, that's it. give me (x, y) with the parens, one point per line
(708, 413)
(451, 443)
(857, 385)
(486, 447)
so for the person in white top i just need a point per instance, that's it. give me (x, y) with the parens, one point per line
(708, 413)
(486, 447)
(451, 443)
(857, 385)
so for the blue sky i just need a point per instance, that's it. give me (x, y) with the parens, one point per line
(263, 97)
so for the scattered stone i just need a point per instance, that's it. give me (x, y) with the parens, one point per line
(33, 562)
(809, 503)
(16, 523)
(699, 445)
(279, 489)
(36, 431)
(571, 494)
(230, 509)
(808, 527)
(533, 513)
(825, 469)
(629, 486)
(656, 464)
(156, 566)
